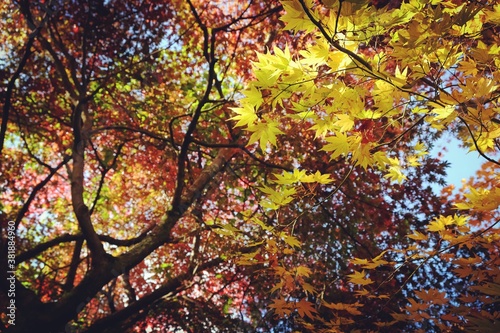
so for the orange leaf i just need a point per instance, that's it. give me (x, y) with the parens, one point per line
(281, 307)
(305, 308)
(415, 306)
(351, 308)
(432, 296)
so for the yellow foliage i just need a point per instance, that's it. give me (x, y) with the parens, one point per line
(481, 199)
(359, 278)
(264, 132)
(363, 81)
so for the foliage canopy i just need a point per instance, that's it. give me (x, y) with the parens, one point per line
(249, 166)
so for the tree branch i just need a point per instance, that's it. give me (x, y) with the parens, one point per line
(73, 267)
(208, 51)
(10, 85)
(66, 238)
(37, 188)
(169, 289)
(332, 41)
(82, 212)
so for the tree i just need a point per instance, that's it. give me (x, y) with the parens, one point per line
(146, 190)
(114, 141)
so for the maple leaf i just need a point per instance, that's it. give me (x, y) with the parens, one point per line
(292, 177)
(450, 317)
(305, 309)
(345, 123)
(338, 145)
(359, 278)
(281, 307)
(322, 178)
(264, 132)
(481, 199)
(395, 174)
(316, 54)
(351, 308)
(308, 288)
(263, 225)
(421, 149)
(295, 17)
(322, 127)
(362, 292)
(413, 161)
(253, 97)
(440, 223)
(246, 115)
(445, 112)
(432, 296)
(490, 288)
(362, 154)
(417, 236)
(277, 286)
(468, 67)
(279, 197)
(290, 240)
(303, 271)
(357, 261)
(415, 307)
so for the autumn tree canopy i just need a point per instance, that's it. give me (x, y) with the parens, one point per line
(248, 166)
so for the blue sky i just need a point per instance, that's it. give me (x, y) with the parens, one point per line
(464, 164)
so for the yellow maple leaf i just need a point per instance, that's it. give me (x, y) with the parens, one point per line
(338, 145)
(345, 123)
(295, 17)
(279, 197)
(308, 288)
(357, 261)
(413, 161)
(317, 53)
(485, 87)
(436, 225)
(290, 240)
(338, 60)
(264, 132)
(359, 278)
(362, 292)
(440, 223)
(444, 112)
(361, 152)
(460, 220)
(417, 236)
(291, 177)
(395, 174)
(481, 199)
(303, 271)
(400, 77)
(253, 96)
(246, 115)
(469, 67)
(322, 178)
